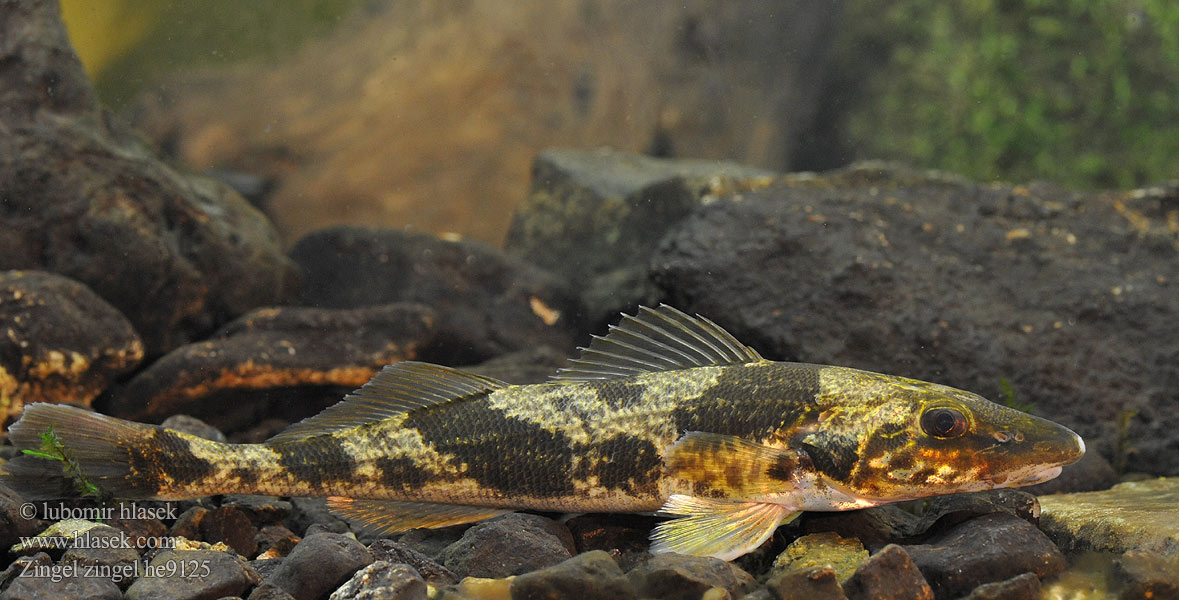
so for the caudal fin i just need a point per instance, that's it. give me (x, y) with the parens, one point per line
(102, 448)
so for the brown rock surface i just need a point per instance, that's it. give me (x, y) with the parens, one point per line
(80, 195)
(430, 113)
(230, 379)
(59, 342)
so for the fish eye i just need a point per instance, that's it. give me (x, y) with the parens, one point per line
(943, 422)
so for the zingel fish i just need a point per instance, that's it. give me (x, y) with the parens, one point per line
(667, 413)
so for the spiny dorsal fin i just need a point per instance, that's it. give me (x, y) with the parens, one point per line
(656, 339)
(398, 388)
(393, 516)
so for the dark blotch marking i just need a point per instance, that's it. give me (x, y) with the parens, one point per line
(402, 473)
(164, 453)
(753, 401)
(249, 476)
(628, 464)
(318, 461)
(504, 454)
(784, 468)
(833, 455)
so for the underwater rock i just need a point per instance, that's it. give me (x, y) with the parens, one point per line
(394, 552)
(67, 585)
(1020, 587)
(509, 544)
(1149, 575)
(194, 426)
(1136, 515)
(61, 342)
(595, 216)
(933, 277)
(888, 575)
(671, 575)
(486, 303)
(319, 564)
(383, 581)
(1090, 473)
(14, 522)
(983, 550)
(85, 198)
(813, 583)
(229, 525)
(194, 574)
(624, 536)
(821, 549)
(589, 576)
(280, 350)
(430, 114)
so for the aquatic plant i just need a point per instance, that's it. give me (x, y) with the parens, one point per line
(52, 448)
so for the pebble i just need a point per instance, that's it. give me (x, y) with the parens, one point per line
(588, 576)
(812, 583)
(193, 575)
(394, 552)
(319, 564)
(230, 525)
(682, 576)
(383, 581)
(888, 575)
(983, 550)
(1020, 587)
(509, 544)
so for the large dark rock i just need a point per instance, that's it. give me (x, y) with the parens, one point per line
(270, 355)
(679, 576)
(319, 564)
(393, 552)
(590, 576)
(82, 196)
(509, 544)
(595, 216)
(65, 583)
(987, 549)
(60, 343)
(1066, 295)
(193, 575)
(15, 519)
(486, 303)
(888, 575)
(385, 581)
(1020, 587)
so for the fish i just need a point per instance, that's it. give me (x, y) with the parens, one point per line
(665, 414)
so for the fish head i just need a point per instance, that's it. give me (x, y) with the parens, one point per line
(911, 439)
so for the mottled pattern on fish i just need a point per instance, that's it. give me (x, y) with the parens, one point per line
(668, 412)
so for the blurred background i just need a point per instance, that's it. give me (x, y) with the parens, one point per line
(429, 114)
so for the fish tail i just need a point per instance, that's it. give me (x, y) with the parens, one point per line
(68, 451)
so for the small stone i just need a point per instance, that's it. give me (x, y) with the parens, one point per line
(383, 581)
(819, 549)
(986, 549)
(1149, 575)
(319, 564)
(509, 544)
(433, 542)
(394, 552)
(623, 536)
(60, 342)
(1020, 587)
(14, 522)
(22, 564)
(306, 512)
(275, 541)
(589, 576)
(194, 426)
(269, 591)
(188, 524)
(107, 548)
(193, 575)
(811, 583)
(675, 576)
(230, 525)
(36, 586)
(887, 575)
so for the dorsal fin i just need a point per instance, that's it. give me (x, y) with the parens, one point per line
(398, 388)
(656, 339)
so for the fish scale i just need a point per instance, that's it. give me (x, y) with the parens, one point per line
(667, 413)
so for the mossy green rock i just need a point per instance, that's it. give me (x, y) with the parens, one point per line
(822, 549)
(1136, 515)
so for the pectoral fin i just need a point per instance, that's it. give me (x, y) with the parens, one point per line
(733, 467)
(390, 516)
(717, 528)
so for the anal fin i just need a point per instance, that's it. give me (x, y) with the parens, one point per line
(718, 528)
(393, 516)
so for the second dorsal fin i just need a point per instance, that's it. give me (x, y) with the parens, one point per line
(398, 388)
(656, 339)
